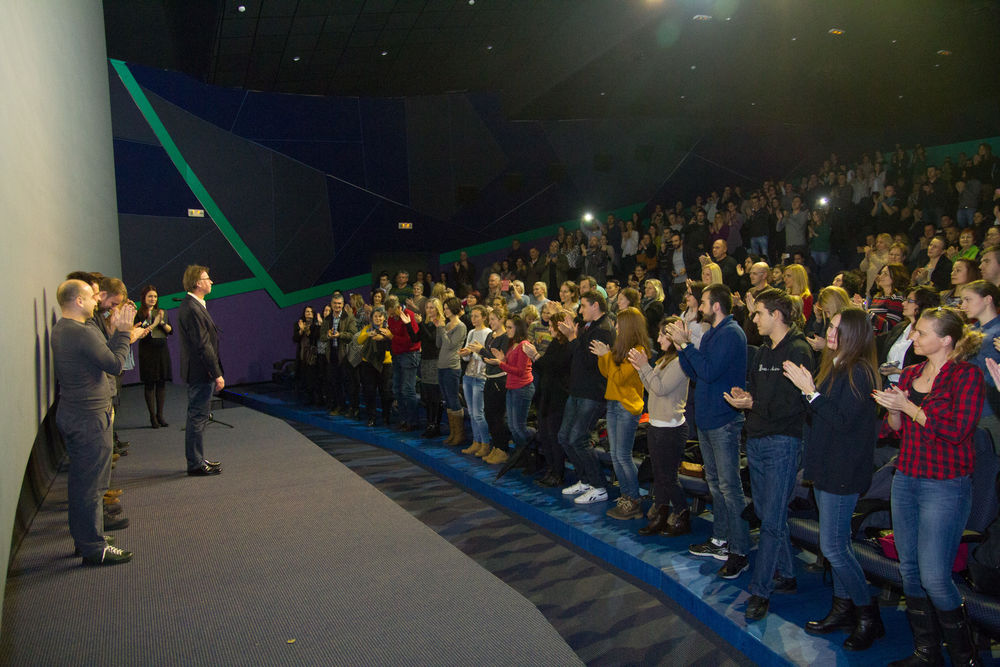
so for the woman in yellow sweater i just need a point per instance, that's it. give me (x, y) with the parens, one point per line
(624, 395)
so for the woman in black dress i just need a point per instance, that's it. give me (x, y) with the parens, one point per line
(154, 357)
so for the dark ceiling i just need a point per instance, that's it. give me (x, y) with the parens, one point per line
(771, 61)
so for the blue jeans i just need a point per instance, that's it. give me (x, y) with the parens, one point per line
(449, 380)
(518, 401)
(198, 412)
(621, 438)
(758, 245)
(720, 453)
(574, 436)
(404, 384)
(774, 462)
(473, 388)
(835, 512)
(928, 517)
(821, 257)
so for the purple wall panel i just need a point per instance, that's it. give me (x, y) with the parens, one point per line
(253, 334)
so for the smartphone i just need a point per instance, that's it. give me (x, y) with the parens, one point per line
(505, 285)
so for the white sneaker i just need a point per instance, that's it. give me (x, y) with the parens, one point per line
(593, 495)
(576, 489)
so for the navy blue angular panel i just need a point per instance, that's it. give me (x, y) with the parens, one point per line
(214, 104)
(343, 159)
(384, 128)
(274, 117)
(147, 182)
(156, 250)
(126, 119)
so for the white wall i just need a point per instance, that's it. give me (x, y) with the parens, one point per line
(57, 202)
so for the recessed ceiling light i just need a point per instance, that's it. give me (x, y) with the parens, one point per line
(753, 104)
(385, 53)
(603, 93)
(694, 67)
(472, 2)
(489, 47)
(241, 8)
(297, 58)
(837, 32)
(682, 97)
(893, 41)
(702, 17)
(729, 18)
(900, 97)
(944, 52)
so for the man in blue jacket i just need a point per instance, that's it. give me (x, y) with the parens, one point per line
(718, 365)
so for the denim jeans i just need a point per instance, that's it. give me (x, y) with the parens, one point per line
(449, 380)
(473, 388)
(579, 419)
(621, 438)
(821, 257)
(928, 517)
(404, 385)
(758, 245)
(518, 401)
(720, 453)
(87, 436)
(198, 412)
(835, 512)
(774, 462)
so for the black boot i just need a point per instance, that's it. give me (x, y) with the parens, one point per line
(958, 637)
(657, 522)
(678, 523)
(868, 628)
(840, 617)
(926, 635)
(433, 429)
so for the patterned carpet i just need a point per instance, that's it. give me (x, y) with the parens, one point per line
(606, 617)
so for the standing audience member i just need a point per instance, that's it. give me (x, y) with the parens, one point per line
(719, 365)
(586, 398)
(201, 367)
(430, 390)
(338, 330)
(623, 394)
(774, 442)
(82, 360)
(551, 367)
(450, 338)
(154, 357)
(376, 365)
(305, 335)
(405, 361)
(473, 383)
(520, 387)
(935, 407)
(840, 434)
(667, 434)
(494, 390)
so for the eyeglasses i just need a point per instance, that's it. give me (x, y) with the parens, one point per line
(909, 301)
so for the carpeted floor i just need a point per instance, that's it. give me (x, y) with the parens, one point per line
(286, 558)
(606, 618)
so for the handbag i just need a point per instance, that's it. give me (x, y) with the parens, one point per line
(353, 354)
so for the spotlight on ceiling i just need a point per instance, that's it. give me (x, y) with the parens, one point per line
(385, 53)
(297, 58)
(241, 8)
(836, 32)
(702, 17)
(944, 52)
(588, 217)
(489, 47)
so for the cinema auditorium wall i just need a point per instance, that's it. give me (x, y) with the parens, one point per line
(57, 203)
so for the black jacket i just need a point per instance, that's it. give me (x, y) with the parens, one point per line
(777, 403)
(199, 343)
(840, 434)
(585, 379)
(553, 380)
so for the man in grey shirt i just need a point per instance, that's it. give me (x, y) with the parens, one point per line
(794, 225)
(82, 357)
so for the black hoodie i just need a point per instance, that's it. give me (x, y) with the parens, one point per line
(778, 408)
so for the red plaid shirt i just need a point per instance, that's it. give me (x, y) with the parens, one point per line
(942, 448)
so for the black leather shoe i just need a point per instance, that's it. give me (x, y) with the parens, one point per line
(785, 586)
(109, 556)
(204, 470)
(756, 608)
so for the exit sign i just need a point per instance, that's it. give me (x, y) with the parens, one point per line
(196, 213)
(406, 225)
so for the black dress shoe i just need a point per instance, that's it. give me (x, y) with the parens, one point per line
(756, 608)
(204, 470)
(785, 586)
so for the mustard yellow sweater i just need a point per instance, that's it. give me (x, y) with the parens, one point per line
(624, 383)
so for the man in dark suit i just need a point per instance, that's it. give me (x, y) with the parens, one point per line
(337, 331)
(200, 366)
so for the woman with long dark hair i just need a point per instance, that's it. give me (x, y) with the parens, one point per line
(154, 357)
(886, 306)
(552, 369)
(520, 386)
(935, 408)
(624, 406)
(494, 394)
(840, 434)
(963, 272)
(450, 340)
(667, 434)
(305, 335)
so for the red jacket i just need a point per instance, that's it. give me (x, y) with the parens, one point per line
(401, 341)
(518, 367)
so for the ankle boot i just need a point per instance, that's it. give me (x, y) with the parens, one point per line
(840, 617)
(678, 523)
(433, 429)
(926, 635)
(867, 629)
(958, 637)
(657, 522)
(456, 427)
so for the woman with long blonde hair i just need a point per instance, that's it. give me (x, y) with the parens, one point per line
(797, 284)
(624, 396)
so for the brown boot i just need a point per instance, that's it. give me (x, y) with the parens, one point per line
(456, 427)
(472, 448)
(657, 516)
(678, 523)
(484, 449)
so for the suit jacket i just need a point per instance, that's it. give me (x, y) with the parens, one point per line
(199, 343)
(346, 329)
